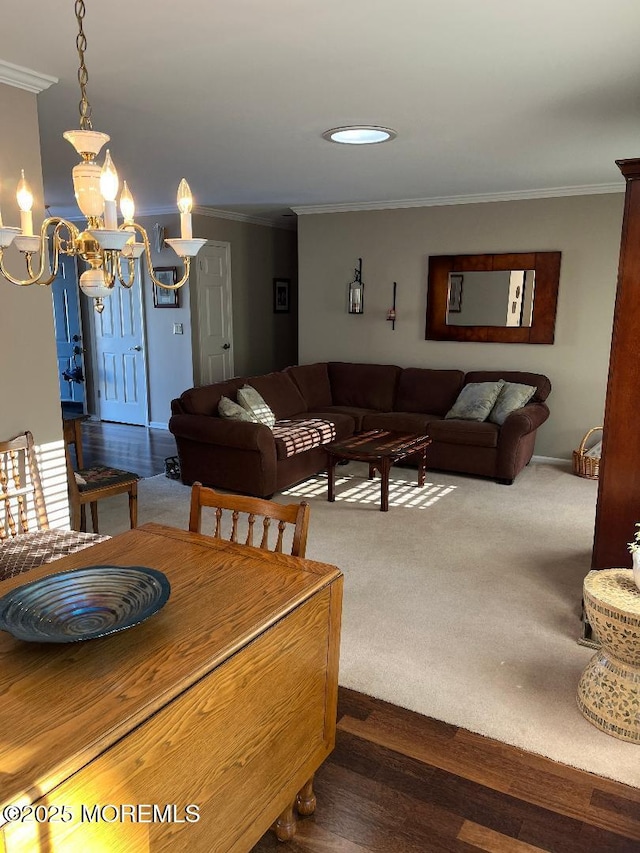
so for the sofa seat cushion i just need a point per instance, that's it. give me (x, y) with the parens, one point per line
(424, 390)
(280, 393)
(363, 386)
(471, 433)
(297, 436)
(313, 383)
(399, 421)
(344, 424)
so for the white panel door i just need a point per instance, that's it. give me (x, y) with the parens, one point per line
(214, 314)
(120, 375)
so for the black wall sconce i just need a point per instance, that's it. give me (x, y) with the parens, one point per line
(356, 291)
(391, 313)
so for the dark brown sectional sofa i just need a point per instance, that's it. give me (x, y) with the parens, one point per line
(245, 457)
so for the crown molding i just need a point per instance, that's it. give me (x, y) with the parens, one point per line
(438, 201)
(24, 78)
(239, 217)
(76, 216)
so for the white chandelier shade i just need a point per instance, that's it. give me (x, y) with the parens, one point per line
(109, 248)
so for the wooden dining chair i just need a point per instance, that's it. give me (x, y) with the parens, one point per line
(285, 514)
(21, 496)
(92, 484)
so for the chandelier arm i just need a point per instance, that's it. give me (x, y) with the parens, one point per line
(132, 272)
(6, 274)
(38, 278)
(43, 282)
(147, 253)
(108, 269)
(33, 278)
(60, 224)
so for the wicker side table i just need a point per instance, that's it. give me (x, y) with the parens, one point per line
(609, 689)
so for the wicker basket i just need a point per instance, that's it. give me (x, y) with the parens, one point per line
(586, 466)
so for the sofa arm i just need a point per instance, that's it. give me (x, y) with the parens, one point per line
(517, 439)
(524, 420)
(209, 429)
(233, 455)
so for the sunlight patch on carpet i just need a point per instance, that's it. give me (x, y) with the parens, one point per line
(359, 490)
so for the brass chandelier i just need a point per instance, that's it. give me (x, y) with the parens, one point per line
(104, 244)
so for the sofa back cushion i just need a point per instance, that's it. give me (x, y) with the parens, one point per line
(312, 381)
(280, 393)
(542, 383)
(204, 400)
(365, 386)
(429, 391)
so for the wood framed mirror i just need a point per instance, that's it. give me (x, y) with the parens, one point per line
(509, 298)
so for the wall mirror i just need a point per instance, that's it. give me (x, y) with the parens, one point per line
(506, 298)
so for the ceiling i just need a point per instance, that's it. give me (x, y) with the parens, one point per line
(489, 99)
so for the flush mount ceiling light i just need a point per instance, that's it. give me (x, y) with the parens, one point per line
(360, 134)
(105, 243)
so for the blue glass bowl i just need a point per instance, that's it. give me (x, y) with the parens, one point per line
(83, 604)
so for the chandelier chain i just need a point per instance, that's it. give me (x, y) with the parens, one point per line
(83, 74)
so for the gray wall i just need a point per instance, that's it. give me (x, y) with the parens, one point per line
(29, 385)
(169, 356)
(395, 245)
(262, 341)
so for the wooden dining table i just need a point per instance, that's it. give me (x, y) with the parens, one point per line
(198, 729)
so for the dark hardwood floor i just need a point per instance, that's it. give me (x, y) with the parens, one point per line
(398, 782)
(132, 448)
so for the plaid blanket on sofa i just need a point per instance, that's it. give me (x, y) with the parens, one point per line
(297, 436)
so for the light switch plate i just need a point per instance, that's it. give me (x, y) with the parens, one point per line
(177, 329)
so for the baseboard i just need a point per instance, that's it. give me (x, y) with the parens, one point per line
(550, 460)
(158, 425)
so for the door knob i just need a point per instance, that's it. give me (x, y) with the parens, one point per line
(137, 349)
(226, 346)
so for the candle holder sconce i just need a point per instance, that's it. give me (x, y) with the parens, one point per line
(391, 313)
(356, 292)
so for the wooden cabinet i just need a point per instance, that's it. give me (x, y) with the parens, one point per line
(618, 506)
(216, 711)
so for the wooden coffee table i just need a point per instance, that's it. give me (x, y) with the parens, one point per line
(380, 449)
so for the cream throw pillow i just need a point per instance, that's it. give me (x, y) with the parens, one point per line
(253, 402)
(512, 396)
(475, 401)
(233, 412)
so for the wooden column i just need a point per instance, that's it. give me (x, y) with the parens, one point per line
(618, 507)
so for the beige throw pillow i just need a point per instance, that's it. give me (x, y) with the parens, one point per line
(475, 401)
(512, 396)
(253, 402)
(233, 412)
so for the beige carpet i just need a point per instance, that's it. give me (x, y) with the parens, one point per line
(462, 602)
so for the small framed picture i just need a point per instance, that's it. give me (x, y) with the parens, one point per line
(455, 292)
(281, 295)
(165, 298)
